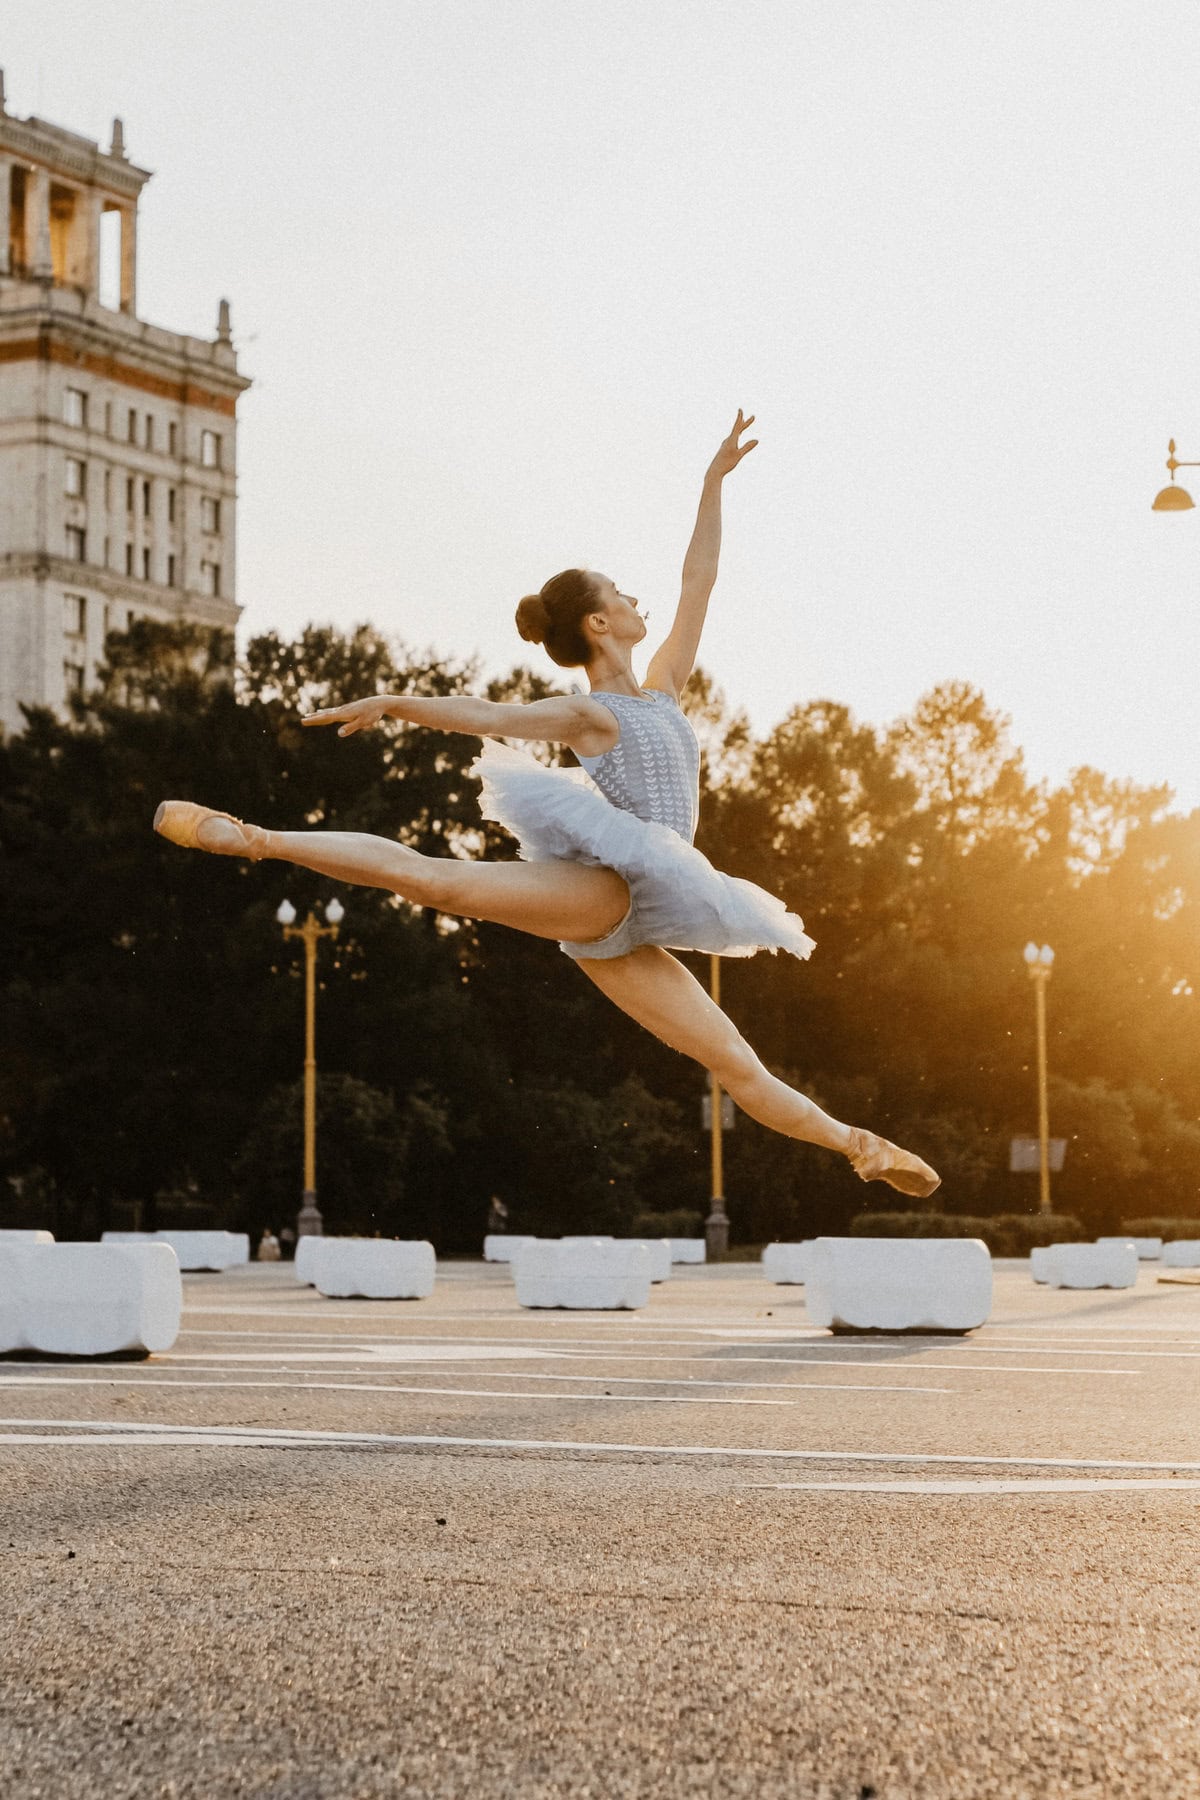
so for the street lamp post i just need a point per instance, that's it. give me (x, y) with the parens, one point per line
(308, 1221)
(1039, 962)
(716, 1226)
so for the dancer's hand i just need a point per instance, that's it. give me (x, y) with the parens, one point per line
(731, 451)
(355, 716)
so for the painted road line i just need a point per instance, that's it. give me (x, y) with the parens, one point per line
(391, 1387)
(1026, 1485)
(397, 1353)
(284, 1438)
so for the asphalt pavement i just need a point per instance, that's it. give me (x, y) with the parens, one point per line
(450, 1547)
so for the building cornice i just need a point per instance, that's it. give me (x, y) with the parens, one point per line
(77, 345)
(66, 153)
(204, 609)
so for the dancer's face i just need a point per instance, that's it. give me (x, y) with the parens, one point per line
(625, 622)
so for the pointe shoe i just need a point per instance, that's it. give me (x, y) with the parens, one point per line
(875, 1159)
(183, 822)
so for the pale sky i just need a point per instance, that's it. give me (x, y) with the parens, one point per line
(503, 270)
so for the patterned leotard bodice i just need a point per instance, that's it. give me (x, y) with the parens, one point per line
(653, 769)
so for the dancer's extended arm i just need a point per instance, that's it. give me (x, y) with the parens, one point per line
(572, 719)
(671, 665)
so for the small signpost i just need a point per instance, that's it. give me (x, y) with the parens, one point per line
(1024, 1155)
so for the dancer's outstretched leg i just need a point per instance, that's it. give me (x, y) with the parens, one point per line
(654, 988)
(552, 899)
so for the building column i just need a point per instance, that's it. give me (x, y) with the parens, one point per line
(37, 225)
(129, 259)
(93, 204)
(5, 214)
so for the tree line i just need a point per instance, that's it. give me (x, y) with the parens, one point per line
(151, 1031)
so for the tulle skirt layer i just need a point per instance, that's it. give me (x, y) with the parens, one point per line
(677, 898)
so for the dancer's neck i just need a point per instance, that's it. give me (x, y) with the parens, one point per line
(608, 676)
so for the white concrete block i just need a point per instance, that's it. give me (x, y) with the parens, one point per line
(1149, 1249)
(687, 1250)
(26, 1237)
(899, 1284)
(1103, 1265)
(501, 1247)
(207, 1249)
(1184, 1253)
(590, 1275)
(659, 1252)
(1039, 1264)
(304, 1259)
(372, 1268)
(786, 1264)
(195, 1249)
(100, 1299)
(13, 1260)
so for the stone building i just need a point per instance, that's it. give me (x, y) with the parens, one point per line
(117, 438)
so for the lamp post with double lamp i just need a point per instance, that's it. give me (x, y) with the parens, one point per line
(716, 1226)
(1172, 498)
(1039, 960)
(308, 1221)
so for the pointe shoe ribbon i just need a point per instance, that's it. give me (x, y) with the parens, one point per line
(182, 822)
(875, 1159)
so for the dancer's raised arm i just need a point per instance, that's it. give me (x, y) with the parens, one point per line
(571, 719)
(671, 665)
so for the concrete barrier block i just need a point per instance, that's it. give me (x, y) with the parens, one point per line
(1184, 1253)
(786, 1264)
(207, 1250)
(1039, 1264)
(501, 1247)
(303, 1264)
(1149, 1249)
(1102, 1265)
(687, 1250)
(13, 1259)
(372, 1268)
(591, 1276)
(100, 1299)
(899, 1284)
(659, 1252)
(26, 1237)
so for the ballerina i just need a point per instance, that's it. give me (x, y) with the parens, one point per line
(609, 867)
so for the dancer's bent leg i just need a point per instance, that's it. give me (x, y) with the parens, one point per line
(654, 988)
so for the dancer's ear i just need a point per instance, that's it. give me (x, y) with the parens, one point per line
(599, 622)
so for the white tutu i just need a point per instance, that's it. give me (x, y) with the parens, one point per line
(677, 898)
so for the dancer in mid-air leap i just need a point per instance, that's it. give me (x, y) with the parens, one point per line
(609, 867)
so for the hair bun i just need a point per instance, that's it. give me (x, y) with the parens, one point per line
(533, 619)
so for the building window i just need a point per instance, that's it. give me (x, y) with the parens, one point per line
(108, 553)
(210, 449)
(149, 432)
(129, 493)
(108, 418)
(74, 615)
(145, 499)
(171, 569)
(75, 407)
(76, 477)
(210, 514)
(107, 490)
(76, 543)
(73, 679)
(129, 559)
(210, 578)
(173, 438)
(170, 506)
(145, 564)
(132, 431)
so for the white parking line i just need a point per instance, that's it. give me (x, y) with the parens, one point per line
(1026, 1485)
(390, 1387)
(25, 1431)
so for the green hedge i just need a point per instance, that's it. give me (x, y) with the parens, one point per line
(1170, 1230)
(683, 1223)
(1005, 1234)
